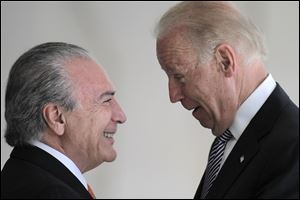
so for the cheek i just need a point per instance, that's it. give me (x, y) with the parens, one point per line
(76, 122)
(203, 92)
(102, 119)
(196, 89)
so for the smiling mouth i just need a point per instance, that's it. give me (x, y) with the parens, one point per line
(109, 135)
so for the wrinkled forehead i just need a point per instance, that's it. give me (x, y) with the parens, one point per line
(171, 39)
(87, 74)
(177, 35)
(175, 48)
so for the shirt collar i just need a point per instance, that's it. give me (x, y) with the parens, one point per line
(67, 162)
(251, 105)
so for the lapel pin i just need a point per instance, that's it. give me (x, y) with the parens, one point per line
(242, 158)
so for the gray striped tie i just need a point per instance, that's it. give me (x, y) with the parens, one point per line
(214, 162)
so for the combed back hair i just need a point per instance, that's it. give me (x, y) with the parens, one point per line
(37, 78)
(211, 23)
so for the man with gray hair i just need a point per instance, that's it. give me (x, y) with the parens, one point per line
(61, 116)
(214, 59)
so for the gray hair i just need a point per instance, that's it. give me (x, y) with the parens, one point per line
(210, 24)
(38, 77)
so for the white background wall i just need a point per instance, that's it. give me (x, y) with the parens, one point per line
(162, 149)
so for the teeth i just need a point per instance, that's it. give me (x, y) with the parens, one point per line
(108, 135)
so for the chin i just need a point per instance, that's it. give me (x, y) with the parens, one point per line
(111, 157)
(205, 124)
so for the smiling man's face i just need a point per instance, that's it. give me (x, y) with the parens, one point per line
(91, 126)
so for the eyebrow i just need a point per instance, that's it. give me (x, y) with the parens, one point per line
(107, 93)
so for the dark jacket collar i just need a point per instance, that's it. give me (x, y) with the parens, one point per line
(248, 144)
(49, 163)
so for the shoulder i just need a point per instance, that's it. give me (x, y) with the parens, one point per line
(23, 177)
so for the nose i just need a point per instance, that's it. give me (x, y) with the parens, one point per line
(175, 92)
(118, 115)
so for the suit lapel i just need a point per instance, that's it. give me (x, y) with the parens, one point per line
(248, 144)
(236, 162)
(47, 162)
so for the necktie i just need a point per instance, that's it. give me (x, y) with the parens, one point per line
(91, 192)
(214, 161)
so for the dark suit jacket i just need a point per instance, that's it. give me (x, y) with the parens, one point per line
(270, 146)
(33, 173)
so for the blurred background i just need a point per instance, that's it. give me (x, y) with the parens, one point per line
(162, 149)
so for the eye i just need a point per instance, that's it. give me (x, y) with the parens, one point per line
(107, 101)
(179, 78)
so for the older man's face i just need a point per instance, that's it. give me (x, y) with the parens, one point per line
(198, 87)
(92, 125)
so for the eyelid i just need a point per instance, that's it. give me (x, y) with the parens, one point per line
(179, 77)
(104, 99)
(108, 100)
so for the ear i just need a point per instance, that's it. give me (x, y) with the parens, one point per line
(54, 118)
(225, 57)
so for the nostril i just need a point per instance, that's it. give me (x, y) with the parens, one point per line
(176, 96)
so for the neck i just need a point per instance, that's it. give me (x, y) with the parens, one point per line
(57, 143)
(251, 77)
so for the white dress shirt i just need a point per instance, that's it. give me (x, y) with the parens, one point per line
(67, 162)
(247, 111)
